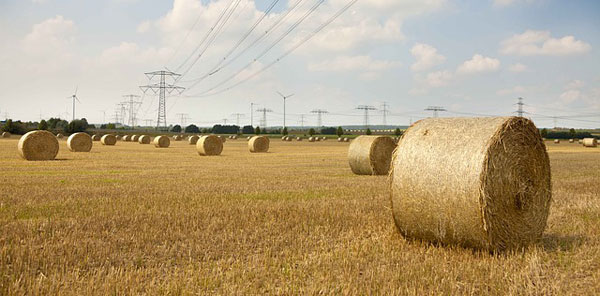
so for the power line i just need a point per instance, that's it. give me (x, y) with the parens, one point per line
(435, 110)
(237, 118)
(319, 113)
(162, 88)
(385, 112)
(264, 111)
(132, 112)
(366, 109)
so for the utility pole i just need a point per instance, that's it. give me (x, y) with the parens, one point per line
(555, 122)
(162, 88)
(385, 112)
(302, 120)
(237, 118)
(520, 107)
(435, 110)
(148, 122)
(366, 109)
(184, 117)
(225, 121)
(252, 114)
(319, 113)
(132, 104)
(284, 99)
(264, 111)
(123, 111)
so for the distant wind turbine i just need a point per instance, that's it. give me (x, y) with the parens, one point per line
(74, 97)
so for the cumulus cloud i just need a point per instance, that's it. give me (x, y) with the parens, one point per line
(542, 43)
(51, 36)
(353, 63)
(479, 64)
(426, 56)
(518, 67)
(575, 84)
(438, 79)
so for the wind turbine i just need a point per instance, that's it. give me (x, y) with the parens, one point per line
(74, 97)
(284, 98)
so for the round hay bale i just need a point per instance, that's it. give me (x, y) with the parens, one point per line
(119, 137)
(6, 135)
(108, 140)
(556, 141)
(371, 155)
(135, 138)
(340, 139)
(234, 137)
(590, 142)
(209, 145)
(311, 139)
(144, 140)
(79, 142)
(177, 138)
(248, 138)
(38, 145)
(126, 138)
(489, 189)
(59, 136)
(193, 140)
(324, 138)
(571, 141)
(580, 141)
(162, 142)
(96, 138)
(299, 139)
(259, 144)
(289, 139)
(346, 140)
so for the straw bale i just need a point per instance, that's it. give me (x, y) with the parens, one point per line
(38, 145)
(144, 140)
(193, 140)
(96, 138)
(259, 144)
(209, 145)
(162, 142)
(371, 155)
(108, 140)
(6, 135)
(590, 142)
(59, 136)
(79, 142)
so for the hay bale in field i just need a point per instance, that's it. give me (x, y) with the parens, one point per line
(283, 138)
(259, 144)
(119, 137)
(177, 138)
(234, 137)
(59, 136)
(162, 142)
(371, 155)
(288, 139)
(126, 138)
(193, 140)
(209, 145)
(299, 139)
(144, 140)
(223, 139)
(96, 137)
(108, 140)
(489, 189)
(311, 139)
(580, 141)
(572, 141)
(38, 145)
(248, 138)
(340, 139)
(324, 138)
(590, 142)
(135, 138)
(346, 140)
(6, 135)
(556, 141)
(79, 142)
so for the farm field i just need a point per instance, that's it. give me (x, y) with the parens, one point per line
(134, 219)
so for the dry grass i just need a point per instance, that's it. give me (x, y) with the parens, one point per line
(291, 221)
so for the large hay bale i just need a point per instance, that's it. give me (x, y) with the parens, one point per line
(6, 135)
(590, 142)
(311, 139)
(259, 144)
(162, 142)
(108, 140)
(371, 155)
(79, 142)
(126, 138)
(59, 136)
(135, 138)
(324, 138)
(144, 140)
(96, 138)
(209, 145)
(193, 140)
(38, 145)
(580, 141)
(318, 139)
(556, 141)
(490, 188)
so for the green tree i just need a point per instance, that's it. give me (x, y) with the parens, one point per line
(369, 132)
(76, 126)
(572, 132)
(8, 126)
(247, 130)
(257, 130)
(43, 125)
(311, 132)
(340, 131)
(176, 128)
(192, 129)
(544, 133)
(111, 126)
(285, 131)
(398, 132)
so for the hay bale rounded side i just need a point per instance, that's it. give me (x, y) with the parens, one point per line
(572, 141)
(79, 142)
(162, 142)
(193, 140)
(346, 140)
(96, 138)
(6, 135)
(311, 139)
(135, 138)
(557, 141)
(371, 155)
(590, 142)
(259, 144)
(108, 140)
(299, 139)
(59, 136)
(209, 145)
(489, 189)
(38, 145)
(126, 138)
(144, 140)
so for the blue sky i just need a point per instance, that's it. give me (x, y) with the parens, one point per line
(471, 57)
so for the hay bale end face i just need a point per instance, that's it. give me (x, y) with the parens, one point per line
(144, 140)
(209, 145)
(371, 155)
(6, 135)
(108, 140)
(162, 142)
(489, 189)
(259, 144)
(571, 141)
(79, 142)
(38, 145)
(193, 140)
(590, 142)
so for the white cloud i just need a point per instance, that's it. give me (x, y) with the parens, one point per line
(511, 91)
(144, 27)
(541, 43)
(426, 56)
(570, 96)
(518, 67)
(438, 79)
(353, 63)
(575, 84)
(50, 37)
(479, 64)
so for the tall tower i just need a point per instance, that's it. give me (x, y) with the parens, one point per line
(366, 109)
(162, 88)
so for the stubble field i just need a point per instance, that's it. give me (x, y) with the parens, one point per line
(133, 219)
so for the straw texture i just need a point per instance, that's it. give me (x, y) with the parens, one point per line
(108, 140)
(193, 140)
(79, 142)
(144, 140)
(477, 182)
(209, 146)
(259, 144)
(590, 142)
(38, 145)
(135, 138)
(126, 138)
(371, 155)
(162, 142)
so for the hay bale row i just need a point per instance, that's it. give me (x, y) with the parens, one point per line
(371, 155)
(209, 145)
(144, 140)
(6, 135)
(108, 140)
(233, 137)
(80, 142)
(490, 188)
(590, 142)
(177, 138)
(259, 144)
(162, 142)
(38, 145)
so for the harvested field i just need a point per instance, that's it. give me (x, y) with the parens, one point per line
(112, 222)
